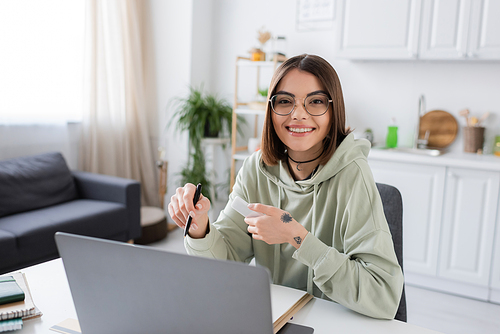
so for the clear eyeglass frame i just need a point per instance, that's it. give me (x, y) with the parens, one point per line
(295, 104)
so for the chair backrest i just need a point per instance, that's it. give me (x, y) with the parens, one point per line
(393, 210)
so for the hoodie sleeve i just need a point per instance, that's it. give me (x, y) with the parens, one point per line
(365, 276)
(228, 238)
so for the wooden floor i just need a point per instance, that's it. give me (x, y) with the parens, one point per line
(430, 309)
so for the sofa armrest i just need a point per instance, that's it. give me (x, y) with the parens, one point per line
(113, 189)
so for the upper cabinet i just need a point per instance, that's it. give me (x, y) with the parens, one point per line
(378, 29)
(484, 37)
(445, 29)
(419, 29)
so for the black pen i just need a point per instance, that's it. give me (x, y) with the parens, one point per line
(195, 200)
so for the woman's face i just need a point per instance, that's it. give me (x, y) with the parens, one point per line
(301, 133)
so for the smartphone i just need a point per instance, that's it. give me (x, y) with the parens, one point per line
(242, 207)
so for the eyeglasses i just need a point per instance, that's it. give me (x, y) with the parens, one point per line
(315, 105)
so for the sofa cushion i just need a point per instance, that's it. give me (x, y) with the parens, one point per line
(35, 230)
(34, 182)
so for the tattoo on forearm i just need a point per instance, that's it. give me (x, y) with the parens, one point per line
(286, 218)
(298, 240)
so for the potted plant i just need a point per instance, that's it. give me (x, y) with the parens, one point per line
(202, 116)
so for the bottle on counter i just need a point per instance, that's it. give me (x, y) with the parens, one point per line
(392, 135)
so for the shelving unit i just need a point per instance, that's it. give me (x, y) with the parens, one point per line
(243, 108)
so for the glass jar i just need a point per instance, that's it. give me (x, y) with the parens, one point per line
(496, 146)
(279, 48)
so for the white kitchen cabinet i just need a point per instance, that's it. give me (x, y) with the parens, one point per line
(422, 189)
(460, 29)
(451, 219)
(495, 270)
(445, 29)
(484, 38)
(378, 29)
(468, 226)
(419, 29)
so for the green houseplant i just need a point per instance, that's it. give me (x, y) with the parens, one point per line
(202, 116)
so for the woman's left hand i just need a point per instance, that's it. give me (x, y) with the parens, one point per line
(275, 227)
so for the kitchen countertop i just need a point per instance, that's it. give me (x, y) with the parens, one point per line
(453, 159)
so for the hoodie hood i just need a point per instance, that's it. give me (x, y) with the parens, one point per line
(348, 151)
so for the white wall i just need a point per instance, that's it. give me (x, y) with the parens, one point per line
(202, 49)
(172, 36)
(197, 41)
(374, 92)
(183, 33)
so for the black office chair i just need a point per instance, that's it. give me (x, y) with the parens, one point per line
(393, 210)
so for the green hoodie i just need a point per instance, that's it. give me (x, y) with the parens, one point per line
(347, 256)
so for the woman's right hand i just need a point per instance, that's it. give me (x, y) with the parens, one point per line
(181, 207)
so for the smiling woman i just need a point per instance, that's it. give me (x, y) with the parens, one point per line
(304, 128)
(41, 62)
(320, 225)
(323, 101)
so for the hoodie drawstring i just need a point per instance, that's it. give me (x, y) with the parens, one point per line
(313, 231)
(277, 249)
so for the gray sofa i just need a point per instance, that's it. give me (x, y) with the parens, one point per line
(39, 196)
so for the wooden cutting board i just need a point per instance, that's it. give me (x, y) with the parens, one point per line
(443, 128)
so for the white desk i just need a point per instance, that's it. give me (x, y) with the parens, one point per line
(50, 291)
(52, 296)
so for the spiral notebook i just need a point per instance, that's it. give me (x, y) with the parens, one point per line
(25, 308)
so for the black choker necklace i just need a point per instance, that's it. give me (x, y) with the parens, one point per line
(303, 162)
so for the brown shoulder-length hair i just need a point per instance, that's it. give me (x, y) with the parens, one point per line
(273, 149)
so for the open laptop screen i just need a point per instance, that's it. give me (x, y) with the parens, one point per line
(123, 288)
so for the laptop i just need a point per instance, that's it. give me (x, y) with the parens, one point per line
(124, 288)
